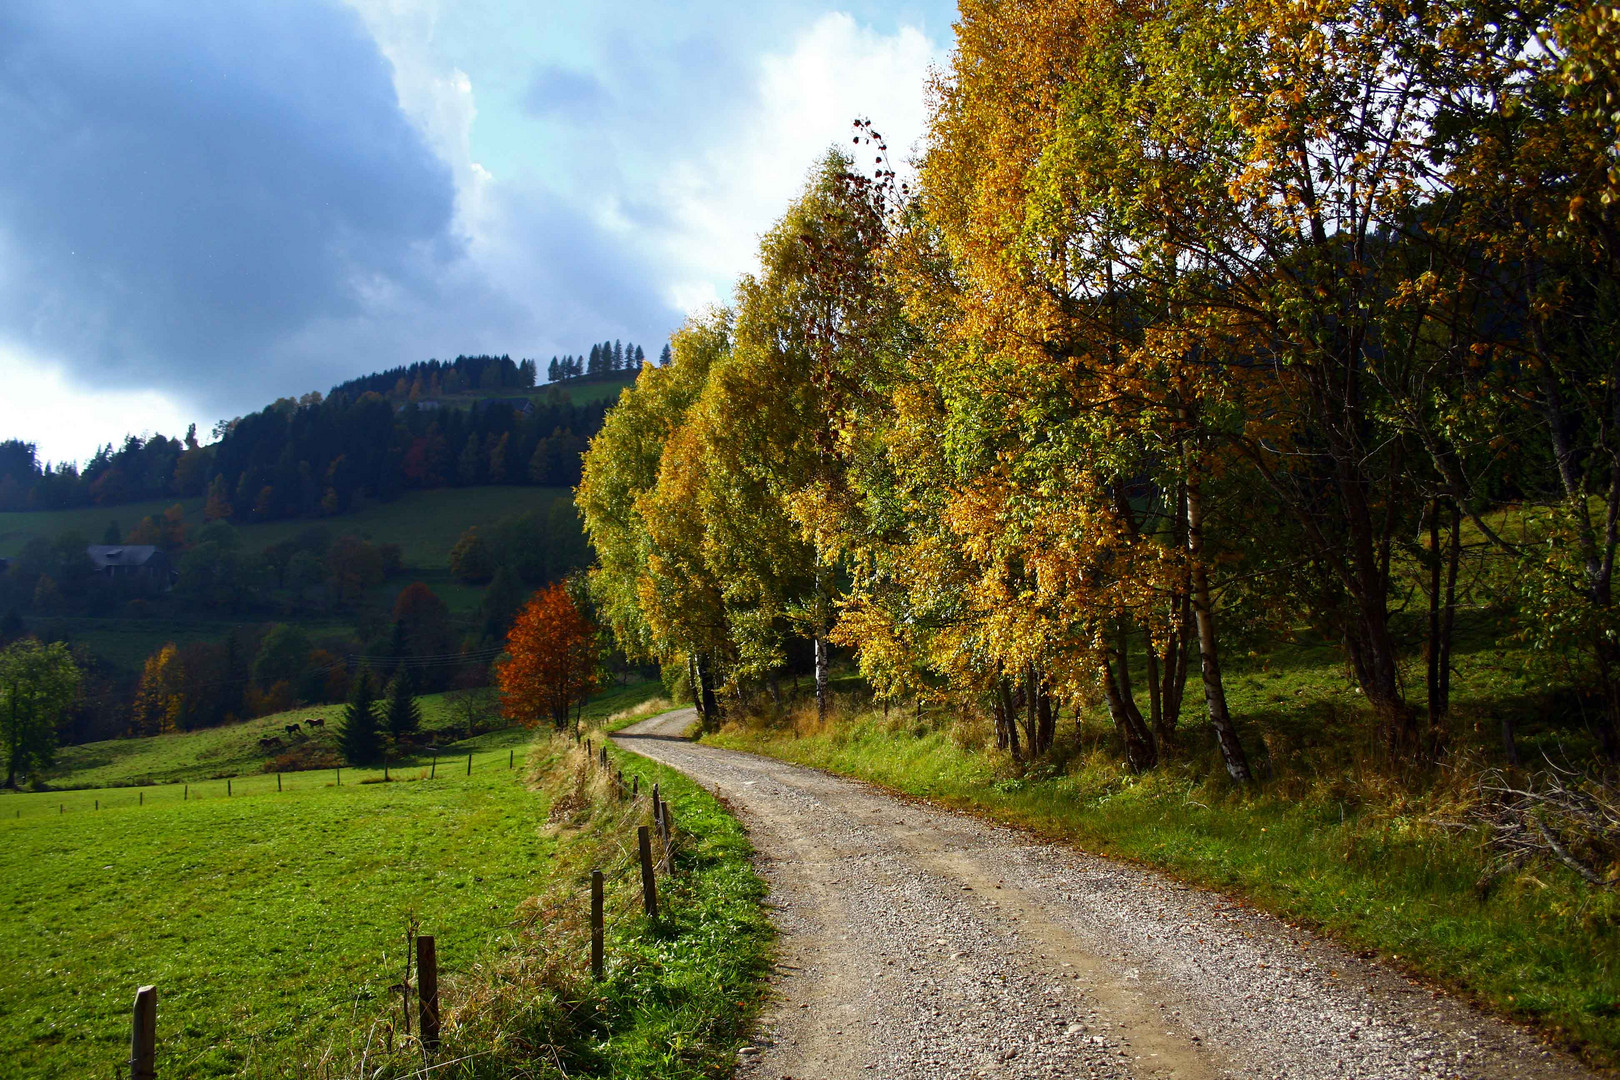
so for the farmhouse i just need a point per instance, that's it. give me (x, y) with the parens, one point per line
(140, 565)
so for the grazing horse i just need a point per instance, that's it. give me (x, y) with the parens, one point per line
(292, 729)
(316, 721)
(270, 742)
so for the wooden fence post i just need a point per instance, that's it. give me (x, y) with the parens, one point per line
(98, 804)
(385, 770)
(604, 756)
(433, 770)
(649, 887)
(427, 990)
(143, 1036)
(469, 764)
(635, 787)
(340, 776)
(278, 781)
(185, 793)
(143, 798)
(227, 789)
(596, 924)
(510, 756)
(655, 800)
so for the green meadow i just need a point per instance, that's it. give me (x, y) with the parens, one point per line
(272, 923)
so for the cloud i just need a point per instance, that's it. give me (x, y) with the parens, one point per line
(205, 207)
(555, 90)
(720, 201)
(41, 407)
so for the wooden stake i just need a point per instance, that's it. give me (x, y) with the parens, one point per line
(510, 754)
(142, 794)
(668, 828)
(98, 804)
(278, 781)
(649, 887)
(385, 770)
(596, 924)
(469, 764)
(143, 1036)
(427, 990)
(185, 793)
(340, 776)
(635, 787)
(433, 770)
(227, 789)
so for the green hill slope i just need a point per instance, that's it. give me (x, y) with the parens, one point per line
(424, 523)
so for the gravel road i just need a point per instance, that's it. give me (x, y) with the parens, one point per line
(919, 942)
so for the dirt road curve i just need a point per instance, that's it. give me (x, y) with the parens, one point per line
(918, 942)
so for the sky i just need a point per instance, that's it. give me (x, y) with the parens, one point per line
(205, 207)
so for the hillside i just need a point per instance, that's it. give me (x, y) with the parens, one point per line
(424, 523)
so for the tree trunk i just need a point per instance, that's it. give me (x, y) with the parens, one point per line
(1006, 720)
(697, 687)
(1173, 671)
(711, 708)
(821, 678)
(1046, 718)
(1442, 590)
(1140, 752)
(1237, 763)
(1032, 737)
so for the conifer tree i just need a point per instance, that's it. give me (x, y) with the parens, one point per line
(618, 355)
(401, 714)
(663, 357)
(357, 738)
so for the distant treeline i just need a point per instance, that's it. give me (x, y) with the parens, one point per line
(605, 358)
(314, 456)
(436, 378)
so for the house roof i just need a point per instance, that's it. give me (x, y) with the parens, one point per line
(105, 555)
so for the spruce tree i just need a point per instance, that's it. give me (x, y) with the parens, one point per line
(618, 355)
(401, 714)
(357, 738)
(640, 359)
(551, 371)
(664, 357)
(596, 360)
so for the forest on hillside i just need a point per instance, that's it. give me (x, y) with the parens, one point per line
(321, 455)
(1199, 326)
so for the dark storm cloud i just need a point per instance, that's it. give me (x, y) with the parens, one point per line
(183, 187)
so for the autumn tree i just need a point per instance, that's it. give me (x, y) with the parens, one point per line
(470, 560)
(160, 699)
(551, 659)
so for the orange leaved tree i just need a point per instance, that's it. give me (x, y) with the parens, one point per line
(551, 659)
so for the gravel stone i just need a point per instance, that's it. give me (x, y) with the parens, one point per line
(918, 942)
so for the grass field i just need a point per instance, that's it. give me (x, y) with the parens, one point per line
(233, 750)
(1327, 838)
(426, 524)
(273, 924)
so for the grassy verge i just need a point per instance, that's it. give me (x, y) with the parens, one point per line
(1381, 870)
(677, 994)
